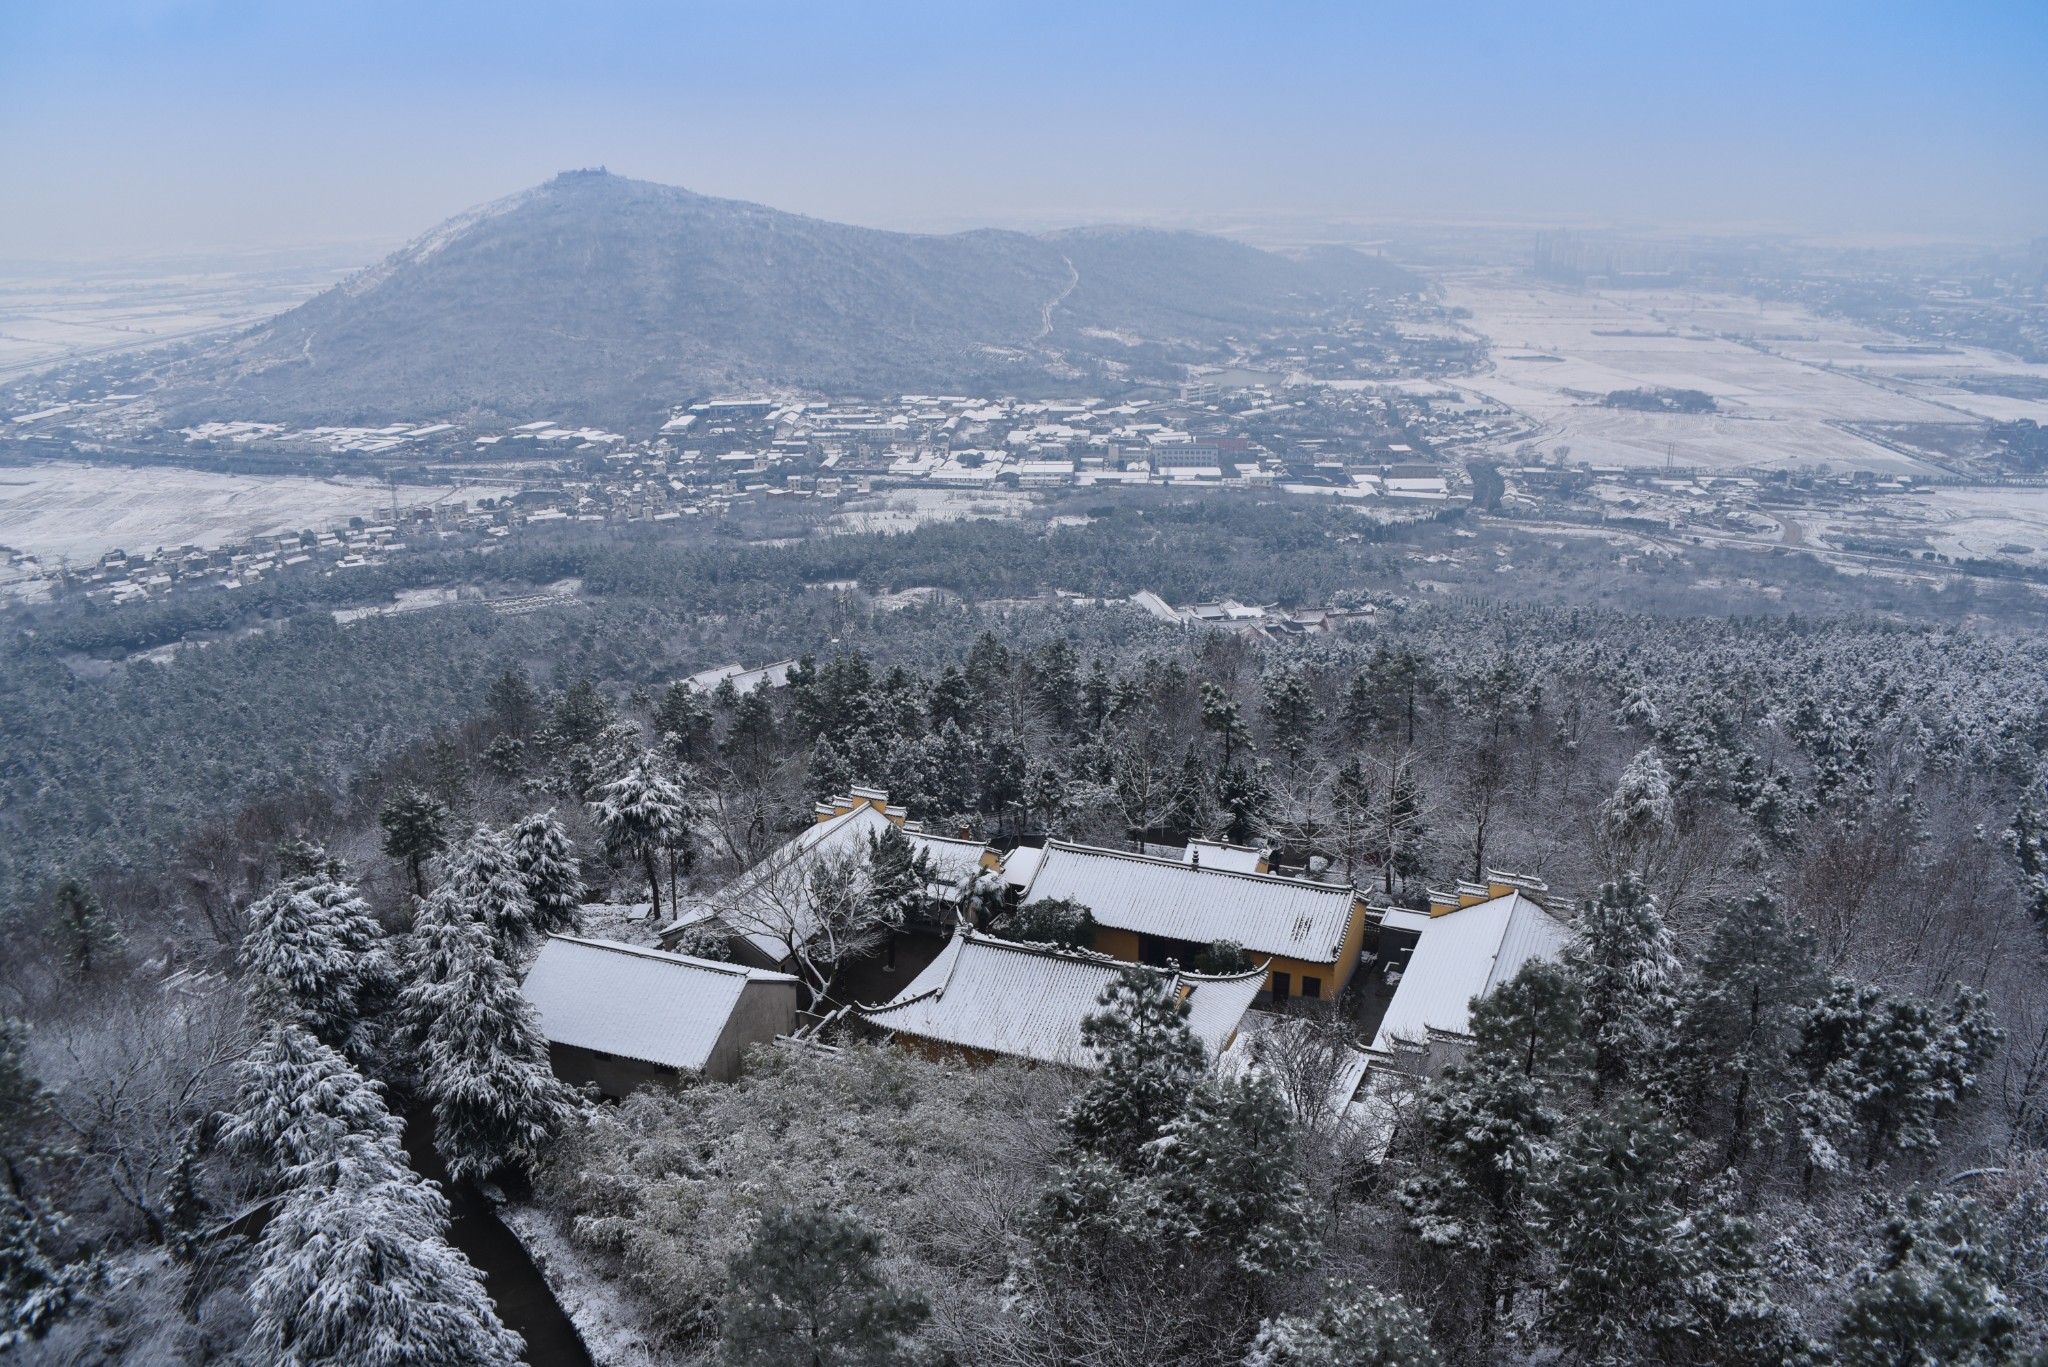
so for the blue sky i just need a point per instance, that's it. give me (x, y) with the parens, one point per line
(136, 126)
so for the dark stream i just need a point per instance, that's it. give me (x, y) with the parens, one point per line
(524, 1302)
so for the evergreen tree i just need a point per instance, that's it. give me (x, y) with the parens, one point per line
(415, 830)
(38, 1288)
(483, 1062)
(484, 876)
(1932, 1297)
(1223, 1178)
(548, 869)
(1242, 792)
(358, 1271)
(642, 813)
(1055, 921)
(318, 958)
(1531, 1023)
(511, 703)
(1291, 711)
(1636, 1277)
(899, 875)
(1628, 974)
(303, 1111)
(1147, 1063)
(2028, 838)
(808, 1292)
(684, 724)
(85, 934)
(1883, 1069)
(1738, 1021)
(1641, 812)
(1352, 1326)
(1487, 1130)
(1222, 714)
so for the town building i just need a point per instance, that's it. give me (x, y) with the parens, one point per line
(623, 1016)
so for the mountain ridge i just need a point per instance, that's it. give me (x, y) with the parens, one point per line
(595, 296)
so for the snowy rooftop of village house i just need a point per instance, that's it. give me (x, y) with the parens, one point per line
(781, 875)
(1028, 1001)
(636, 1003)
(1464, 954)
(1169, 898)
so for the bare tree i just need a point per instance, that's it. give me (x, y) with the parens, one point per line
(130, 1075)
(817, 908)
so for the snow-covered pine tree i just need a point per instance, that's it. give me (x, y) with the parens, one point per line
(1931, 1298)
(1629, 976)
(1486, 1131)
(808, 1291)
(1147, 1064)
(483, 1062)
(1352, 1326)
(483, 874)
(415, 830)
(302, 1110)
(641, 813)
(1223, 1177)
(1641, 812)
(85, 933)
(1882, 1069)
(1638, 1278)
(2028, 838)
(38, 1287)
(1738, 1020)
(548, 868)
(317, 957)
(1531, 1023)
(358, 1272)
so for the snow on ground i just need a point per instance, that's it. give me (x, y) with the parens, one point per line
(80, 511)
(606, 1317)
(1981, 522)
(907, 509)
(1781, 389)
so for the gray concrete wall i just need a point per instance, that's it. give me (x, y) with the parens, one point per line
(765, 1010)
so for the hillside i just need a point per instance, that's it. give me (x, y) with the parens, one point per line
(598, 296)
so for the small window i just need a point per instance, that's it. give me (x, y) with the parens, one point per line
(1311, 988)
(1282, 985)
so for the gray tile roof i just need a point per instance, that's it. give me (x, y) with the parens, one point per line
(1028, 1001)
(636, 1003)
(1265, 913)
(1465, 954)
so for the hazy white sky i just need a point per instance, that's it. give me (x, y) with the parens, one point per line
(142, 126)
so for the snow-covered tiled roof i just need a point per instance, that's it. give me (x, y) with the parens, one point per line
(1028, 1001)
(1465, 954)
(1265, 913)
(637, 1003)
(1216, 854)
(782, 874)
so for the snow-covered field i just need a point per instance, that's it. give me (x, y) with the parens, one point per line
(51, 313)
(62, 509)
(1780, 389)
(903, 510)
(1982, 522)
